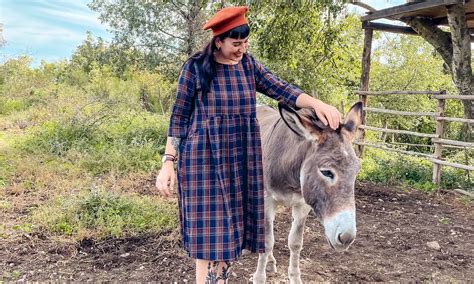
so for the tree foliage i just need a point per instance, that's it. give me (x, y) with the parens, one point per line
(95, 51)
(409, 63)
(165, 32)
(311, 49)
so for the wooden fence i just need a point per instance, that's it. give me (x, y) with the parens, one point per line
(437, 138)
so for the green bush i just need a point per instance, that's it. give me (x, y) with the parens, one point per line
(57, 138)
(120, 157)
(389, 168)
(456, 178)
(102, 214)
(130, 142)
(8, 106)
(136, 128)
(380, 166)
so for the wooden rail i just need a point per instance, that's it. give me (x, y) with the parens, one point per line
(388, 130)
(438, 138)
(393, 149)
(454, 143)
(454, 165)
(397, 112)
(455, 97)
(425, 145)
(455, 119)
(409, 113)
(384, 93)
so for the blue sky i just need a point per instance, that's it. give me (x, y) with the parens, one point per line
(51, 29)
(47, 29)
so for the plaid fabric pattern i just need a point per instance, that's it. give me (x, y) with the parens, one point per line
(220, 174)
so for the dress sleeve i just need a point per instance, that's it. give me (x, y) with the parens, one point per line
(274, 87)
(183, 107)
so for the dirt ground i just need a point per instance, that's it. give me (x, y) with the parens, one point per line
(394, 227)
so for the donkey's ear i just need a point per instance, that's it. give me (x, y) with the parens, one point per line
(352, 121)
(299, 124)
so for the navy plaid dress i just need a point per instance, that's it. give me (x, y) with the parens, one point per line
(220, 174)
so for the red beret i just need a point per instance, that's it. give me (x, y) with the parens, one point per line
(226, 19)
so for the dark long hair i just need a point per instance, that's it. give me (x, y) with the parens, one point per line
(205, 58)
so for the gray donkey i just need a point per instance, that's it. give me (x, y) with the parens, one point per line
(307, 166)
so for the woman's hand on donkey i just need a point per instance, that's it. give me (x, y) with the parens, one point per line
(327, 114)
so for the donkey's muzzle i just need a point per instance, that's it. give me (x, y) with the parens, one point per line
(340, 229)
(345, 238)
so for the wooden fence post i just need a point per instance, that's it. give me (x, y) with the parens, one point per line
(364, 84)
(438, 151)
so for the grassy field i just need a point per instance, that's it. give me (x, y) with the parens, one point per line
(79, 153)
(79, 160)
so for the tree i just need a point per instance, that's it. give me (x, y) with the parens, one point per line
(315, 45)
(95, 51)
(166, 32)
(453, 46)
(409, 63)
(169, 31)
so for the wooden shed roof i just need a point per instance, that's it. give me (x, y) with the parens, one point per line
(434, 9)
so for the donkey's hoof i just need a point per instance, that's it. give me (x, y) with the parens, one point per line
(295, 280)
(271, 268)
(246, 252)
(257, 280)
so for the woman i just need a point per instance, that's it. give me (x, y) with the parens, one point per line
(214, 129)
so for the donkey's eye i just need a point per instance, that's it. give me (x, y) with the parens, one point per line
(328, 174)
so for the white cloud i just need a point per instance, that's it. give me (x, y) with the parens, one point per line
(33, 30)
(41, 33)
(80, 17)
(47, 29)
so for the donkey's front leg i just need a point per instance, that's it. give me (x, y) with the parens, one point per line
(260, 275)
(295, 240)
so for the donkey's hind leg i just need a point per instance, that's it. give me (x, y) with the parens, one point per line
(260, 275)
(295, 240)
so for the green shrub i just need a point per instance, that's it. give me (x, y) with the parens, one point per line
(101, 214)
(130, 142)
(135, 128)
(385, 167)
(456, 178)
(121, 157)
(57, 138)
(8, 106)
